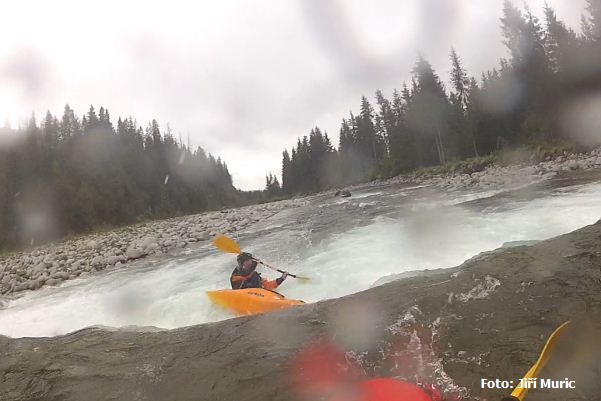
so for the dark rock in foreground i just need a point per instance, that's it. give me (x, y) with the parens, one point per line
(485, 319)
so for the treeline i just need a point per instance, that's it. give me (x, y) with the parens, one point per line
(71, 175)
(424, 124)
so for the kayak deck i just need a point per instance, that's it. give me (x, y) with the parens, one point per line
(250, 301)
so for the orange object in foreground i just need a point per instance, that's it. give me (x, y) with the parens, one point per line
(384, 390)
(250, 301)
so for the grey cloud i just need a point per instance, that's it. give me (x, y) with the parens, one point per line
(342, 45)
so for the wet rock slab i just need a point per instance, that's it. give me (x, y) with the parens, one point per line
(488, 318)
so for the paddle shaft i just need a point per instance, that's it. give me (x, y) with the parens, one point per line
(274, 268)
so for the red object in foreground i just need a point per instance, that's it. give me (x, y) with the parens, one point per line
(384, 390)
(322, 368)
(321, 371)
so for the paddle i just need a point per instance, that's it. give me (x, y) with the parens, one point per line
(226, 244)
(520, 393)
(281, 271)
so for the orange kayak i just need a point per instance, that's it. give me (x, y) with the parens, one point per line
(250, 301)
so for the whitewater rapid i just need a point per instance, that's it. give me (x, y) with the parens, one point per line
(401, 230)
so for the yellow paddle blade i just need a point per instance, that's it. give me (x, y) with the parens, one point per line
(226, 244)
(520, 393)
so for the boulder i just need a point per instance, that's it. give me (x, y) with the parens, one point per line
(97, 261)
(49, 260)
(20, 287)
(111, 260)
(35, 284)
(202, 235)
(573, 165)
(134, 253)
(39, 268)
(151, 247)
(61, 275)
(147, 242)
(53, 281)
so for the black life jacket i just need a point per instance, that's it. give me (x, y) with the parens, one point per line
(252, 280)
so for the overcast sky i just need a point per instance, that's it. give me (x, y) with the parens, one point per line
(243, 79)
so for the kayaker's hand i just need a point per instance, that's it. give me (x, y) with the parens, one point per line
(284, 275)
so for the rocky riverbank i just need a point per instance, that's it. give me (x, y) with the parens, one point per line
(515, 176)
(495, 176)
(486, 319)
(54, 263)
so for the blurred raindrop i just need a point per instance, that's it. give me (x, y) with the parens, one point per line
(356, 324)
(581, 119)
(36, 213)
(321, 368)
(503, 96)
(129, 303)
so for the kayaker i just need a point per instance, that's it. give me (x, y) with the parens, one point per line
(245, 276)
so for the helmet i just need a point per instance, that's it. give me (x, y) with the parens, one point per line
(244, 256)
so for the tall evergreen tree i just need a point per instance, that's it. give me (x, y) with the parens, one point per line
(459, 78)
(591, 24)
(559, 40)
(463, 137)
(287, 184)
(428, 115)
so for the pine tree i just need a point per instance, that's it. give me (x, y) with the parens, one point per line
(385, 122)
(294, 172)
(287, 185)
(69, 126)
(458, 124)
(272, 185)
(90, 121)
(459, 78)
(558, 42)
(351, 159)
(50, 132)
(473, 112)
(515, 34)
(428, 114)
(367, 140)
(591, 24)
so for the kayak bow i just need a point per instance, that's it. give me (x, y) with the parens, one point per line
(250, 301)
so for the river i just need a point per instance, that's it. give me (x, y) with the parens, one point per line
(343, 244)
